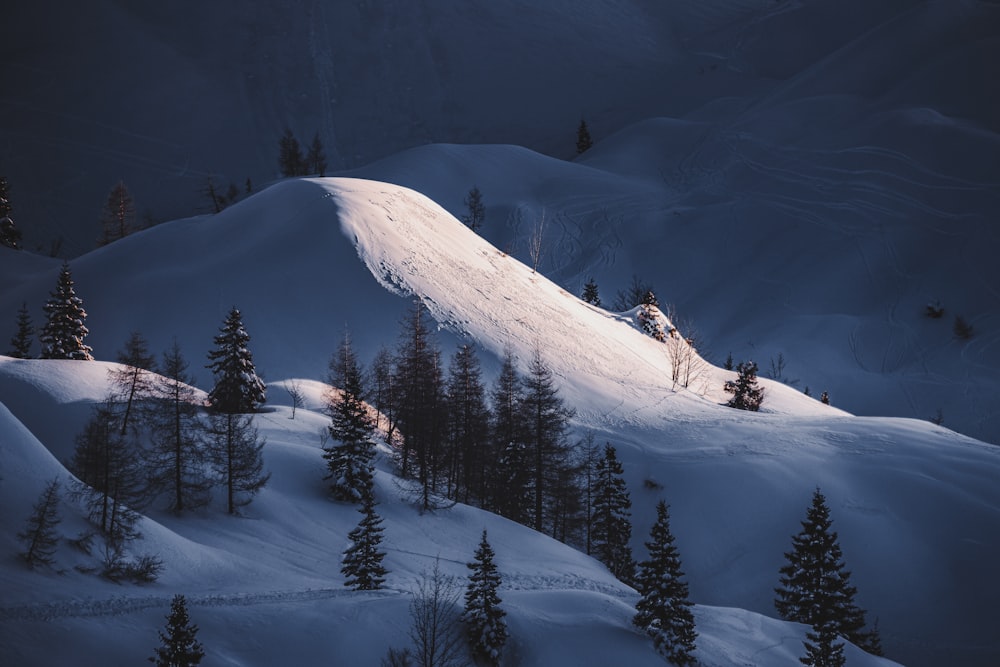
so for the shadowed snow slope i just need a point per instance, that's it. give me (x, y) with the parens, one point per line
(916, 505)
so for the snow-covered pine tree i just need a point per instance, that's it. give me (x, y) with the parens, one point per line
(10, 236)
(590, 294)
(349, 458)
(485, 622)
(118, 217)
(611, 525)
(815, 586)
(235, 452)
(179, 646)
(237, 388)
(20, 344)
(362, 564)
(583, 140)
(664, 610)
(64, 330)
(39, 536)
(175, 458)
(475, 213)
(824, 648)
(747, 394)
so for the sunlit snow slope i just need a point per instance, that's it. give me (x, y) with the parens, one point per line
(916, 506)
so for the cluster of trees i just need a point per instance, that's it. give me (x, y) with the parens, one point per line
(62, 336)
(292, 161)
(10, 236)
(152, 439)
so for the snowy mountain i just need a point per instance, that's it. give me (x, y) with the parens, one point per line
(915, 504)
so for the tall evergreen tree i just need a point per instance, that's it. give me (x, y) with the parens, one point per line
(175, 459)
(611, 525)
(235, 452)
(20, 344)
(133, 381)
(485, 622)
(10, 236)
(39, 536)
(179, 646)
(64, 330)
(362, 566)
(383, 391)
(546, 419)
(590, 457)
(118, 217)
(349, 458)
(747, 394)
(583, 140)
(237, 388)
(475, 210)
(509, 483)
(815, 586)
(316, 158)
(664, 610)
(468, 426)
(290, 158)
(590, 294)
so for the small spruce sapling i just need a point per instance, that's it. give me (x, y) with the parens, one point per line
(179, 646)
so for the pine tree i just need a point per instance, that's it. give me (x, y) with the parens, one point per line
(118, 217)
(10, 236)
(290, 159)
(747, 394)
(509, 484)
(583, 140)
(237, 388)
(823, 647)
(546, 420)
(175, 460)
(486, 626)
(64, 330)
(664, 610)
(179, 646)
(349, 459)
(468, 427)
(39, 536)
(316, 159)
(611, 525)
(132, 382)
(20, 344)
(475, 209)
(235, 452)
(815, 587)
(590, 294)
(362, 567)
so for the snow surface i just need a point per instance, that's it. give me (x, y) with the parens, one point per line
(916, 505)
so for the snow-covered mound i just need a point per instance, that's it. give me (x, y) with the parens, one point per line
(916, 505)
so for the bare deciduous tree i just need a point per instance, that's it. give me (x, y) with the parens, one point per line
(435, 614)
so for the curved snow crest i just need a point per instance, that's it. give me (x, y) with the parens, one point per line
(610, 371)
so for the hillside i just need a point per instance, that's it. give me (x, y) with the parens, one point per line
(915, 504)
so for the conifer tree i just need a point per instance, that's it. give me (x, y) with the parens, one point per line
(10, 236)
(546, 420)
(583, 140)
(747, 394)
(611, 525)
(316, 159)
(510, 482)
(64, 330)
(664, 610)
(118, 217)
(590, 294)
(235, 452)
(39, 536)
(179, 646)
(349, 458)
(237, 388)
(485, 621)
(20, 344)
(475, 213)
(290, 159)
(823, 646)
(362, 565)
(175, 460)
(133, 382)
(815, 587)
(468, 427)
